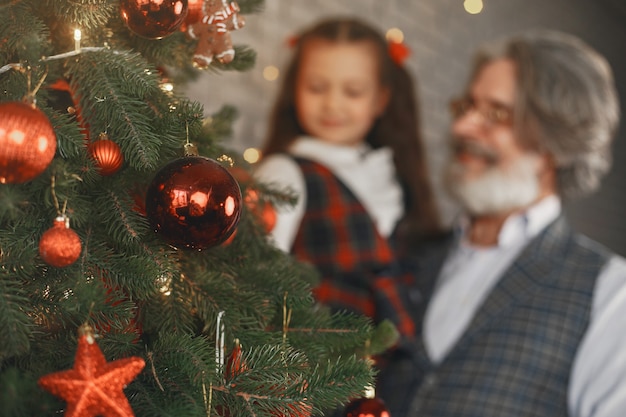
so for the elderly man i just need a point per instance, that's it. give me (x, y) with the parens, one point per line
(520, 315)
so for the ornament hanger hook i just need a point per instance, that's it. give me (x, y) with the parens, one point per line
(190, 148)
(31, 93)
(60, 213)
(286, 318)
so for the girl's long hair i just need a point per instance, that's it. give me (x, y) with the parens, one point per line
(398, 127)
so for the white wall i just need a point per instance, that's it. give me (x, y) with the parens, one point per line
(442, 37)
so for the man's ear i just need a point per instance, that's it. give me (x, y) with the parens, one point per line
(548, 173)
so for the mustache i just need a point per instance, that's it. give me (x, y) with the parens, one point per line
(461, 146)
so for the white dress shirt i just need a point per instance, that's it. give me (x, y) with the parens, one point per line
(598, 379)
(370, 174)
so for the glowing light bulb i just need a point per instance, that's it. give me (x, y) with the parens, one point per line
(251, 155)
(271, 73)
(394, 35)
(473, 6)
(77, 37)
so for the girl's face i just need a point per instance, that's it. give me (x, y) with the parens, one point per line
(338, 94)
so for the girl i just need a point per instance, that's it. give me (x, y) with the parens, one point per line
(344, 138)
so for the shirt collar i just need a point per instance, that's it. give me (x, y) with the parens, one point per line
(520, 227)
(332, 153)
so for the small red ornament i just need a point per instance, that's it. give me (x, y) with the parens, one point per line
(264, 212)
(235, 364)
(153, 19)
(194, 202)
(94, 387)
(60, 246)
(27, 142)
(366, 407)
(107, 154)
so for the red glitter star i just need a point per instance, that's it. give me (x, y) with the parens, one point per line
(94, 387)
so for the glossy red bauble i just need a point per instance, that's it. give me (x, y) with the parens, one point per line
(153, 19)
(193, 202)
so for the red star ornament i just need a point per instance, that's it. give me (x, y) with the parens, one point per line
(94, 387)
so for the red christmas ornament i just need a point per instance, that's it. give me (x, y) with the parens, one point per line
(107, 154)
(69, 101)
(194, 202)
(94, 387)
(60, 246)
(265, 212)
(153, 19)
(235, 363)
(366, 407)
(27, 142)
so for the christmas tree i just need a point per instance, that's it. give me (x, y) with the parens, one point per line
(133, 250)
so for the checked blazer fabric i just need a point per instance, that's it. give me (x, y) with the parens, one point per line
(516, 356)
(357, 266)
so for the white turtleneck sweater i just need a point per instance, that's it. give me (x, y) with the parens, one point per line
(368, 173)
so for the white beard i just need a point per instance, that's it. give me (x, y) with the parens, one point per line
(498, 190)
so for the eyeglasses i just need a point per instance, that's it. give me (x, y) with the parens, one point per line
(493, 114)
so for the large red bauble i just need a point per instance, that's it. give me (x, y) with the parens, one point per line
(60, 246)
(153, 19)
(27, 142)
(366, 407)
(194, 202)
(107, 154)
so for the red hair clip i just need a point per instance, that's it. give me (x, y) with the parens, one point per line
(292, 41)
(398, 52)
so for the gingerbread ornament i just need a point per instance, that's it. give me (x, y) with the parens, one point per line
(219, 17)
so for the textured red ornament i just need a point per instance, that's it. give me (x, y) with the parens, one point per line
(94, 387)
(27, 142)
(107, 154)
(153, 19)
(194, 202)
(366, 407)
(60, 246)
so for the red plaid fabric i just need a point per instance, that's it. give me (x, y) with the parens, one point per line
(357, 265)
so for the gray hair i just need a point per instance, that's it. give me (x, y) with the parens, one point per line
(566, 103)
